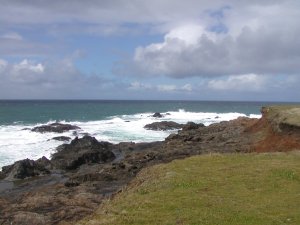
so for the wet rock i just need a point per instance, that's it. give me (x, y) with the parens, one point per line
(157, 115)
(23, 169)
(44, 163)
(62, 138)
(192, 126)
(55, 127)
(164, 125)
(81, 151)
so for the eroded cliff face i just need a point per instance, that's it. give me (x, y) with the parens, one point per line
(277, 130)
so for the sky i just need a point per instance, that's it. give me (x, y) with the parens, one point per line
(160, 49)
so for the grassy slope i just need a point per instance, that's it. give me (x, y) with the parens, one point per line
(258, 189)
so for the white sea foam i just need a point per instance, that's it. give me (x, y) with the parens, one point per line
(17, 143)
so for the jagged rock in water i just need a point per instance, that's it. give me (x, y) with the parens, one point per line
(157, 115)
(55, 127)
(62, 138)
(164, 125)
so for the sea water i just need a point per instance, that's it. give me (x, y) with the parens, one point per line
(113, 121)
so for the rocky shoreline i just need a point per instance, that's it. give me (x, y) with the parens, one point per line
(77, 178)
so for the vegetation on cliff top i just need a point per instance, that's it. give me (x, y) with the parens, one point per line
(233, 189)
(284, 114)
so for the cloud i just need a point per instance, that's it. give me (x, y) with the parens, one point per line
(29, 79)
(166, 88)
(161, 14)
(254, 38)
(246, 82)
(12, 35)
(13, 44)
(138, 86)
(260, 51)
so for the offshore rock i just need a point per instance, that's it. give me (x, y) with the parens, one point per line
(164, 125)
(55, 127)
(157, 115)
(62, 138)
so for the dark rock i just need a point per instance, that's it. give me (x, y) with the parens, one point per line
(55, 127)
(164, 125)
(171, 136)
(157, 115)
(26, 128)
(24, 168)
(72, 183)
(62, 138)
(217, 117)
(192, 126)
(81, 151)
(44, 163)
(85, 134)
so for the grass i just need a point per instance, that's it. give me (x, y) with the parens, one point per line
(232, 189)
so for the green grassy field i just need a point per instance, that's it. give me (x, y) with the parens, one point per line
(233, 189)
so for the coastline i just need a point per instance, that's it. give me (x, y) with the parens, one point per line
(71, 186)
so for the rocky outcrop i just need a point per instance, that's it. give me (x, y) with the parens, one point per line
(81, 151)
(277, 130)
(25, 168)
(282, 118)
(55, 127)
(192, 126)
(157, 115)
(164, 125)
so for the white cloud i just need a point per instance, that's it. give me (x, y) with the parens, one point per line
(27, 65)
(187, 87)
(246, 82)
(139, 86)
(28, 79)
(166, 88)
(3, 65)
(12, 35)
(260, 38)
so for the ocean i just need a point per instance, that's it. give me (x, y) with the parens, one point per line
(113, 121)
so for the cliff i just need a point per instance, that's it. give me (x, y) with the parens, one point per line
(277, 130)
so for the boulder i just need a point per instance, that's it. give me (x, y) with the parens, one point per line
(82, 151)
(164, 125)
(54, 127)
(157, 115)
(25, 168)
(62, 138)
(192, 126)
